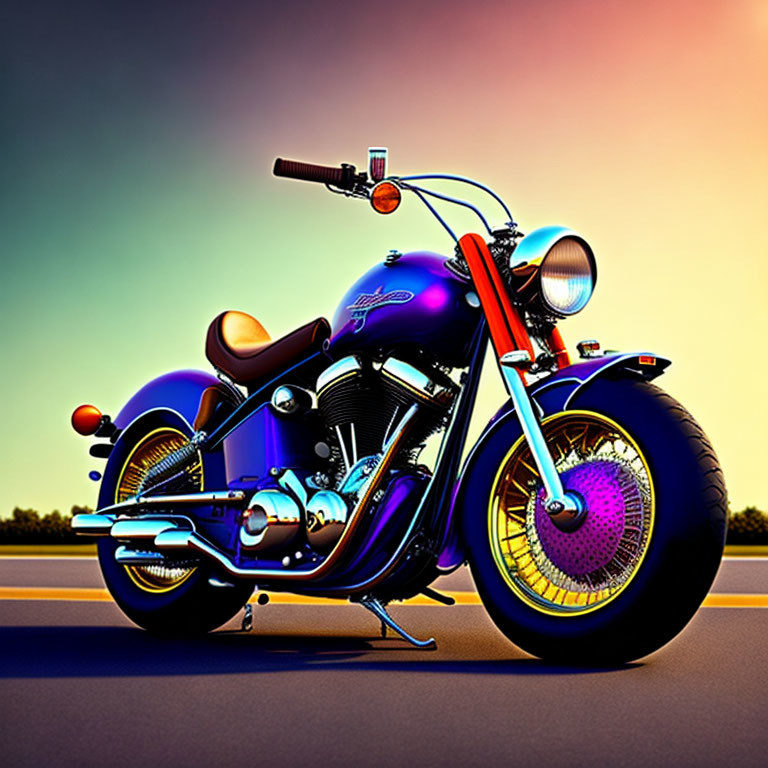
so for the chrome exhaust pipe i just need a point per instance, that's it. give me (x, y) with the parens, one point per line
(126, 556)
(177, 538)
(127, 527)
(91, 524)
(142, 528)
(100, 523)
(174, 500)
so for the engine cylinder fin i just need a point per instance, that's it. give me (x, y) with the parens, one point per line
(360, 404)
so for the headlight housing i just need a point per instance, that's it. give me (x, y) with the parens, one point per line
(558, 268)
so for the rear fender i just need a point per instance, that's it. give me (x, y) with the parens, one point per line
(172, 401)
(551, 395)
(179, 391)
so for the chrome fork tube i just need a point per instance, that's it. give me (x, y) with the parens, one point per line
(558, 501)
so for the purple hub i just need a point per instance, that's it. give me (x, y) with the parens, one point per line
(593, 544)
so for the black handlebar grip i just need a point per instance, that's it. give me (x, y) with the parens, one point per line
(325, 174)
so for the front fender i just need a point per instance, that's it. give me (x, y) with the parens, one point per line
(550, 395)
(555, 392)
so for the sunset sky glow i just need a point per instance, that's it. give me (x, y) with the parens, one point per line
(139, 200)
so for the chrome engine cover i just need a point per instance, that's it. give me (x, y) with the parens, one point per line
(327, 514)
(272, 520)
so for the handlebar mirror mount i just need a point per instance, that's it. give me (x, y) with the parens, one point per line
(377, 163)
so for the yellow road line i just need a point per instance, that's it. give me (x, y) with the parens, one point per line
(280, 598)
(714, 600)
(722, 600)
(53, 593)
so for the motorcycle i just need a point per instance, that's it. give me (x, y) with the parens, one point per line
(591, 510)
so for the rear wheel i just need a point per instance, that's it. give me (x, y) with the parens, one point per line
(170, 599)
(635, 571)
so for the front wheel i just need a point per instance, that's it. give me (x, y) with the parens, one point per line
(636, 569)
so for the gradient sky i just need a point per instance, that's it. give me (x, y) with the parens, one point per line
(137, 142)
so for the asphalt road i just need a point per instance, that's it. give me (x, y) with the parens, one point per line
(315, 685)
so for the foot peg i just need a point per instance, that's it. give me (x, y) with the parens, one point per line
(378, 610)
(438, 597)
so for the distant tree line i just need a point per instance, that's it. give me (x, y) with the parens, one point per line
(750, 526)
(27, 526)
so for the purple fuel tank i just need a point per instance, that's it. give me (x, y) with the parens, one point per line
(414, 302)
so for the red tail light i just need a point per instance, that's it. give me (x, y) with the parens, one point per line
(86, 419)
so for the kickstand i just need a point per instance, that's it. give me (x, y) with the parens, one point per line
(247, 624)
(378, 610)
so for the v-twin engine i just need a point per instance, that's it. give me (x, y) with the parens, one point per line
(361, 404)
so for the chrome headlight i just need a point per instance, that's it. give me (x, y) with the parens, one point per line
(566, 268)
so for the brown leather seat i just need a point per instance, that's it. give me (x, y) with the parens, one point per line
(238, 345)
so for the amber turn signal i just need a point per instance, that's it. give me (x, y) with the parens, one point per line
(86, 419)
(385, 197)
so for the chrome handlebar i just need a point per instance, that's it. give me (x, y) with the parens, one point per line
(344, 180)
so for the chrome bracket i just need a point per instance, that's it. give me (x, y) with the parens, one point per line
(566, 509)
(589, 348)
(247, 624)
(231, 386)
(378, 610)
(288, 481)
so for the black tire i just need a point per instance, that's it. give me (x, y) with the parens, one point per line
(680, 555)
(180, 602)
(191, 608)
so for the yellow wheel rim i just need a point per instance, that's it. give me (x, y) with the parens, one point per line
(570, 574)
(146, 454)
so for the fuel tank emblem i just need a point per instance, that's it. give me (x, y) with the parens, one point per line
(367, 302)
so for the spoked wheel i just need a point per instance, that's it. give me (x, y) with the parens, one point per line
(567, 572)
(170, 599)
(147, 453)
(634, 569)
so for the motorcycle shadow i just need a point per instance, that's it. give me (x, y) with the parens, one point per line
(88, 651)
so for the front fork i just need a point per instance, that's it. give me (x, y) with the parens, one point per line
(564, 508)
(514, 351)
